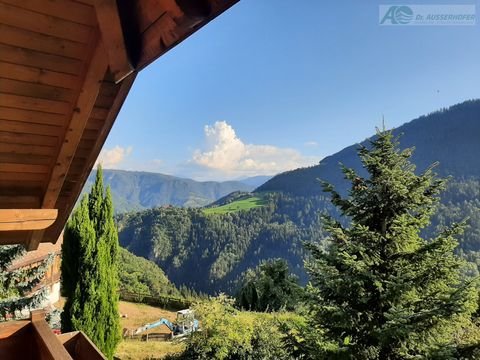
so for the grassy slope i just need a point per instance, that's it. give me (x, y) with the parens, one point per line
(137, 315)
(140, 314)
(238, 205)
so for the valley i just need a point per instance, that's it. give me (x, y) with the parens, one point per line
(208, 249)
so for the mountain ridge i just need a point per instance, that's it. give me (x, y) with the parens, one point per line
(209, 251)
(427, 148)
(139, 190)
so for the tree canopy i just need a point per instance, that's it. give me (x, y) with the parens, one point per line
(90, 270)
(269, 287)
(379, 290)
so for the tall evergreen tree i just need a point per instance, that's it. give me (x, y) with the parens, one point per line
(379, 290)
(17, 286)
(90, 270)
(269, 287)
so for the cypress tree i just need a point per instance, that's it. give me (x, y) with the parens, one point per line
(90, 270)
(378, 289)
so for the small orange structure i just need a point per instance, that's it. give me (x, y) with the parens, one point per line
(66, 67)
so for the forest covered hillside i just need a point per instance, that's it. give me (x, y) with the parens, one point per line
(136, 190)
(208, 249)
(449, 136)
(141, 276)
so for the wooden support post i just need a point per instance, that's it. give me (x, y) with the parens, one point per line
(49, 345)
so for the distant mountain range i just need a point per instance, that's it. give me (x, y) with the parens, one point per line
(450, 137)
(135, 190)
(256, 181)
(208, 249)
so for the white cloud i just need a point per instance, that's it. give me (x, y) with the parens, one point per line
(225, 153)
(311, 144)
(112, 158)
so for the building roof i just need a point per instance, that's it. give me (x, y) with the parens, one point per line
(66, 68)
(41, 253)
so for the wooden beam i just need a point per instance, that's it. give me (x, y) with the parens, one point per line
(82, 110)
(112, 35)
(14, 237)
(49, 345)
(9, 328)
(161, 25)
(26, 219)
(52, 234)
(81, 113)
(80, 346)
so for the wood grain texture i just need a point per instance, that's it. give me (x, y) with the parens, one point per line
(26, 219)
(112, 35)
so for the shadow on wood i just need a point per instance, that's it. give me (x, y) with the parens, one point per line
(33, 339)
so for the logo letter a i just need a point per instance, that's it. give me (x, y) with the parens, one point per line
(390, 15)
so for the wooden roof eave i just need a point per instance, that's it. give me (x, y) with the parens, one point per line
(65, 71)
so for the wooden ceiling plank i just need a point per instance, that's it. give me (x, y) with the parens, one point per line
(12, 178)
(109, 89)
(85, 103)
(31, 103)
(150, 11)
(112, 35)
(24, 88)
(19, 202)
(27, 149)
(86, 144)
(29, 116)
(38, 169)
(94, 124)
(37, 59)
(36, 159)
(27, 139)
(82, 153)
(29, 128)
(26, 186)
(86, 2)
(89, 134)
(43, 24)
(40, 42)
(84, 106)
(53, 232)
(62, 9)
(179, 20)
(104, 102)
(26, 219)
(37, 76)
(99, 113)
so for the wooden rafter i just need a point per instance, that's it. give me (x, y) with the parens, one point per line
(58, 59)
(82, 110)
(112, 34)
(26, 219)
(124, 88)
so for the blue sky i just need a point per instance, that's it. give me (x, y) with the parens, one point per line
(272, 85)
